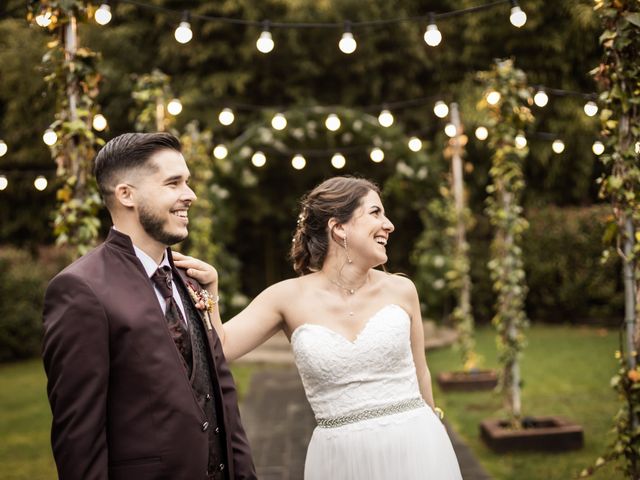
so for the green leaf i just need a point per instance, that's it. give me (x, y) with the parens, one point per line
(633, 18)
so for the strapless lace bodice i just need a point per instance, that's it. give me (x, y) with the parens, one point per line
(341, 377)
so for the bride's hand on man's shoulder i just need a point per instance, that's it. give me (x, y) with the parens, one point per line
(201, 271)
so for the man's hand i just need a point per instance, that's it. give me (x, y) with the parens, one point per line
(204, 273)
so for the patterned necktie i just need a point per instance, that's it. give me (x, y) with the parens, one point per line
(180, 334)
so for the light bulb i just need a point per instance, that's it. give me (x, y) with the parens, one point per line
(338, 161)
(597, 147)
(3, 148)
(174, 107)
(332, 122)
(265, 43)
(347, 43)
(279, 122)
(520, 141)
(517, 18)
(220, 152)
(50, 137)
(43, 19)
(103, 14)
(493, 97)
(183, 33)
(432, 35)
(541, 98)
(376, 155)
(590, 108)
(298, 162)
(385, 118)
(40, 183)
(99, 122)
(450, 130)
(258, 159)
(441, 109)
(4, 183)
(226, 117)
(415, 144)
(557, 146)
(482, 133)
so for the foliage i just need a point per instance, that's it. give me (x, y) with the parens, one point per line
(152, 92)
(507, 116)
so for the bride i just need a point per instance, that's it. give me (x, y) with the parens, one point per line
(357, 338)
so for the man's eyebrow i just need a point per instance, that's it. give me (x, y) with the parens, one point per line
(173, 178)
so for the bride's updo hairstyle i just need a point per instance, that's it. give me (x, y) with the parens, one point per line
(338, 198)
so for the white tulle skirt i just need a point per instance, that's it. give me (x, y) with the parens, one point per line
(412, 445)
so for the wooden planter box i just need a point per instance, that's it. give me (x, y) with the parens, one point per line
(467, 381)
(551, 434)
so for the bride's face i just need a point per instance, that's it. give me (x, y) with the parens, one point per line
(368, 232)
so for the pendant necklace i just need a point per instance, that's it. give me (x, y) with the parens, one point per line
(349, 290)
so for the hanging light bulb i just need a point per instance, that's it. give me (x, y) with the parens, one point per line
(415, 144)
(332, 122)
(347, 43)
(493, 97)
(43, 19)
(259, 159)
(517, 18)
(226, 117)
(183, 33)
(482, 133)
(99, 122)
(450, 130)
(4, 183)
(520, 141)
(597, 147)
(103, 14)
(40, 183)
(50, 137)
(3, 148)
(590, 108)
(338, 161)
(220, 152)
(385, 118)
(432, 35)
(441, 109)
(376, 155)
(557, 146)
(174, 107)
(279, 122)
(298, 162)
(541, 98)
(265, 42)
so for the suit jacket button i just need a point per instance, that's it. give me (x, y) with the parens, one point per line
(221, 466)
(205, 426)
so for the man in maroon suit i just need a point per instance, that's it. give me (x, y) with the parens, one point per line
(138, 384)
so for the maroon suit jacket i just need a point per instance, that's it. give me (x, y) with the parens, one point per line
(123, 407)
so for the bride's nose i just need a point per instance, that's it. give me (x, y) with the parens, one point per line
(388, 226)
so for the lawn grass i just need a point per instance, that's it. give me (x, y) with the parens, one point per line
(25, 420)
(566, 371)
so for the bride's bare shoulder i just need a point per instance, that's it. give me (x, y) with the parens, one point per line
(401, 286)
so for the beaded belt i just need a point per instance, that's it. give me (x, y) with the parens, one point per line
(391, 409)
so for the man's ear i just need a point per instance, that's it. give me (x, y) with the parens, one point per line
(336, 229)
(123, 194)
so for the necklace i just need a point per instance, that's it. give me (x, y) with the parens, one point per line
(350, 290)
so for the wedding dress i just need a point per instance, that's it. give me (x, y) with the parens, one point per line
(372, 421)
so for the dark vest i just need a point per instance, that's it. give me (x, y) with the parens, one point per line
(201, 379)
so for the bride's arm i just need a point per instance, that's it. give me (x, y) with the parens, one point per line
(258, 322)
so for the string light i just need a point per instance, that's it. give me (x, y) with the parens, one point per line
(415, 144)
(557, 146)
(279, 122)
(103, 14)
(332, 122)
(385, 118)
(226, 117)
(220, 152)
(174, 107)
(440, 109)
(3, 148)
(338, 161)
(347, 43)
(493, 97)
(43, 19)
(541, 98)
(376, 155)
(258, 159)
(50, 137)
(40, 183)
(265, 42)
(482, 133)
(298, 162)
(4, 183)
(520, 141)
(183, 33)
(99, 122)
(432, 36)
(597, 147)
(517, 18)
(590, 108)
(450, 130)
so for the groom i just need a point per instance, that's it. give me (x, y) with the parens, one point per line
(137, 381)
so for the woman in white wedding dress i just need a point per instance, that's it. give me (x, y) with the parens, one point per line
(357, 337)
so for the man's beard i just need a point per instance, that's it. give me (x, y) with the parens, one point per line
(154, 226)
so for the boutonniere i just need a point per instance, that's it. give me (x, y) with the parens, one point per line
(203, 301)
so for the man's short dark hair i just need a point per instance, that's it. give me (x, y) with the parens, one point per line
(128, 152)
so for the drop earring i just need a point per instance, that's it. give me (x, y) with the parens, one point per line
(346, 250)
